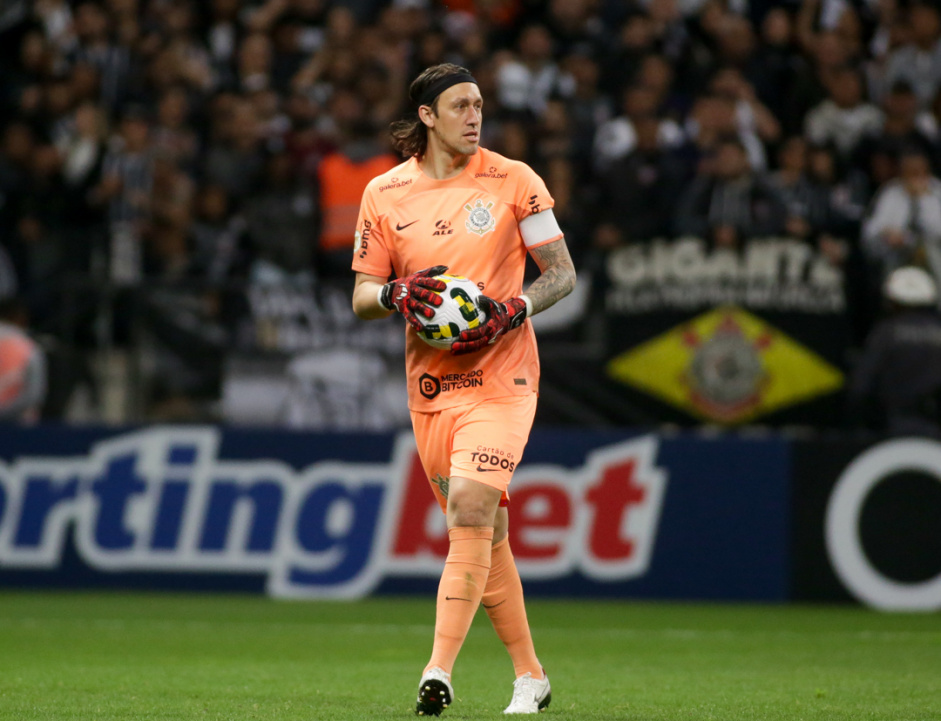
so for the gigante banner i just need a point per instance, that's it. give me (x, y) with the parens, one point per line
(592, 514)
(726, 336)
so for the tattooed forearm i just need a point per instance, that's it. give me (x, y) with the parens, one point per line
(558, 275)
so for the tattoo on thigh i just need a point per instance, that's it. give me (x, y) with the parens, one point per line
(442, 483)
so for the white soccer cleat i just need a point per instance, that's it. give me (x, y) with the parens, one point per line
(530, 695)
(434, 692)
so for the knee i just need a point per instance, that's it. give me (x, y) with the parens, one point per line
(472, 513)
(472, 504)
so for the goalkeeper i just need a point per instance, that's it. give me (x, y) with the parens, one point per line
(459, 207)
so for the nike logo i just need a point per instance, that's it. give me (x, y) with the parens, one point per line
(403, 227)
(480, 469)
(455, 598)
(494, 605)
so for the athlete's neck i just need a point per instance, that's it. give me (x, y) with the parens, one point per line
(441, 165)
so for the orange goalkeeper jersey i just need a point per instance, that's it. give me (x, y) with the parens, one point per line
(470, 223)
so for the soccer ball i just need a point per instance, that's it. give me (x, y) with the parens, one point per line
(457, 312)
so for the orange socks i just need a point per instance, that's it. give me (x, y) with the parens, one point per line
(503, 601)
(459, 592)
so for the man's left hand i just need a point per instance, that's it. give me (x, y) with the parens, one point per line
(501, 317)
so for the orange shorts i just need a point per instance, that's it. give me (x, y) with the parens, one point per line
(482, 441)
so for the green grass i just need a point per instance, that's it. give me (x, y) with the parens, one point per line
(97, 657)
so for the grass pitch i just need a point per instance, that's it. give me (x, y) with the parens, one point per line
(98, 657)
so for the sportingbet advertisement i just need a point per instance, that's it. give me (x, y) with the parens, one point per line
(302, 515)
(345, 515)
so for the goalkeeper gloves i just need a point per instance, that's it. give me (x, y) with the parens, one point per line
(501, 317)
(414, 294)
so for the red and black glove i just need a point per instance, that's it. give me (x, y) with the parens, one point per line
(501, 317)
(413, 294)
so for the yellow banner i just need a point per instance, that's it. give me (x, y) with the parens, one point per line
(727, 366)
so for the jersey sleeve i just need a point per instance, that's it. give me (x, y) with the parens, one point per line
(534, 199)
(532, 196)
(370, 253)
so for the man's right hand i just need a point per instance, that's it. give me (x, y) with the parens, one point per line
(414, 294)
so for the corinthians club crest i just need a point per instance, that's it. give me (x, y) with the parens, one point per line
(480, 220)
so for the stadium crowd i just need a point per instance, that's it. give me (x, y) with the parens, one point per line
(215, 141)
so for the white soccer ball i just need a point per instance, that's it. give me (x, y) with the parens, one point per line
(457, 312)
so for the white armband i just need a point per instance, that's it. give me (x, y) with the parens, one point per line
(379, 298)
(529, 305)
(537, 228)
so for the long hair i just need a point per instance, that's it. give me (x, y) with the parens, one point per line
(410, 136)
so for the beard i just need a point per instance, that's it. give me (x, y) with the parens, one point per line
(461, 147)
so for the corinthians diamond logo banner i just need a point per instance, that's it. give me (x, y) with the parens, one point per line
(727, 366)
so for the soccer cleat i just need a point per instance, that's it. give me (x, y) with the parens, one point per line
(434, 692)
(530, 695)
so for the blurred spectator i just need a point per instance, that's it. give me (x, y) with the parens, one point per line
(183, 59)
(554, 136)
(125, 188)
(16, 150)
(918, 62)
(342, 178)
(55, 16)
(752, 119)
(574, 24)
(876, 153)
(712, 118)
(656, 73)
(82, 147)
(235, 158)
(590, 107)
(638, 191)
(670, 30)
(635, 40)
(775, 63)
(82, 144)
(845, 117)
(95, 47)
(896, 383)
(525, 82)
(174, 135)
(171, 194)
(218, 235)
(168, 256)
(40, 237)
(828, 54)
(735, 42)
(221, 38)
(23, 379)
(807, 201)
(730, 202)
(21, 89)
(848, 189)
(254, 63)
(904, 226)
(617, 137)
(280, 226)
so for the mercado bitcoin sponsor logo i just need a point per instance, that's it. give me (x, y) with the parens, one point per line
(727, 366)
(430, 386)
(161, 500)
